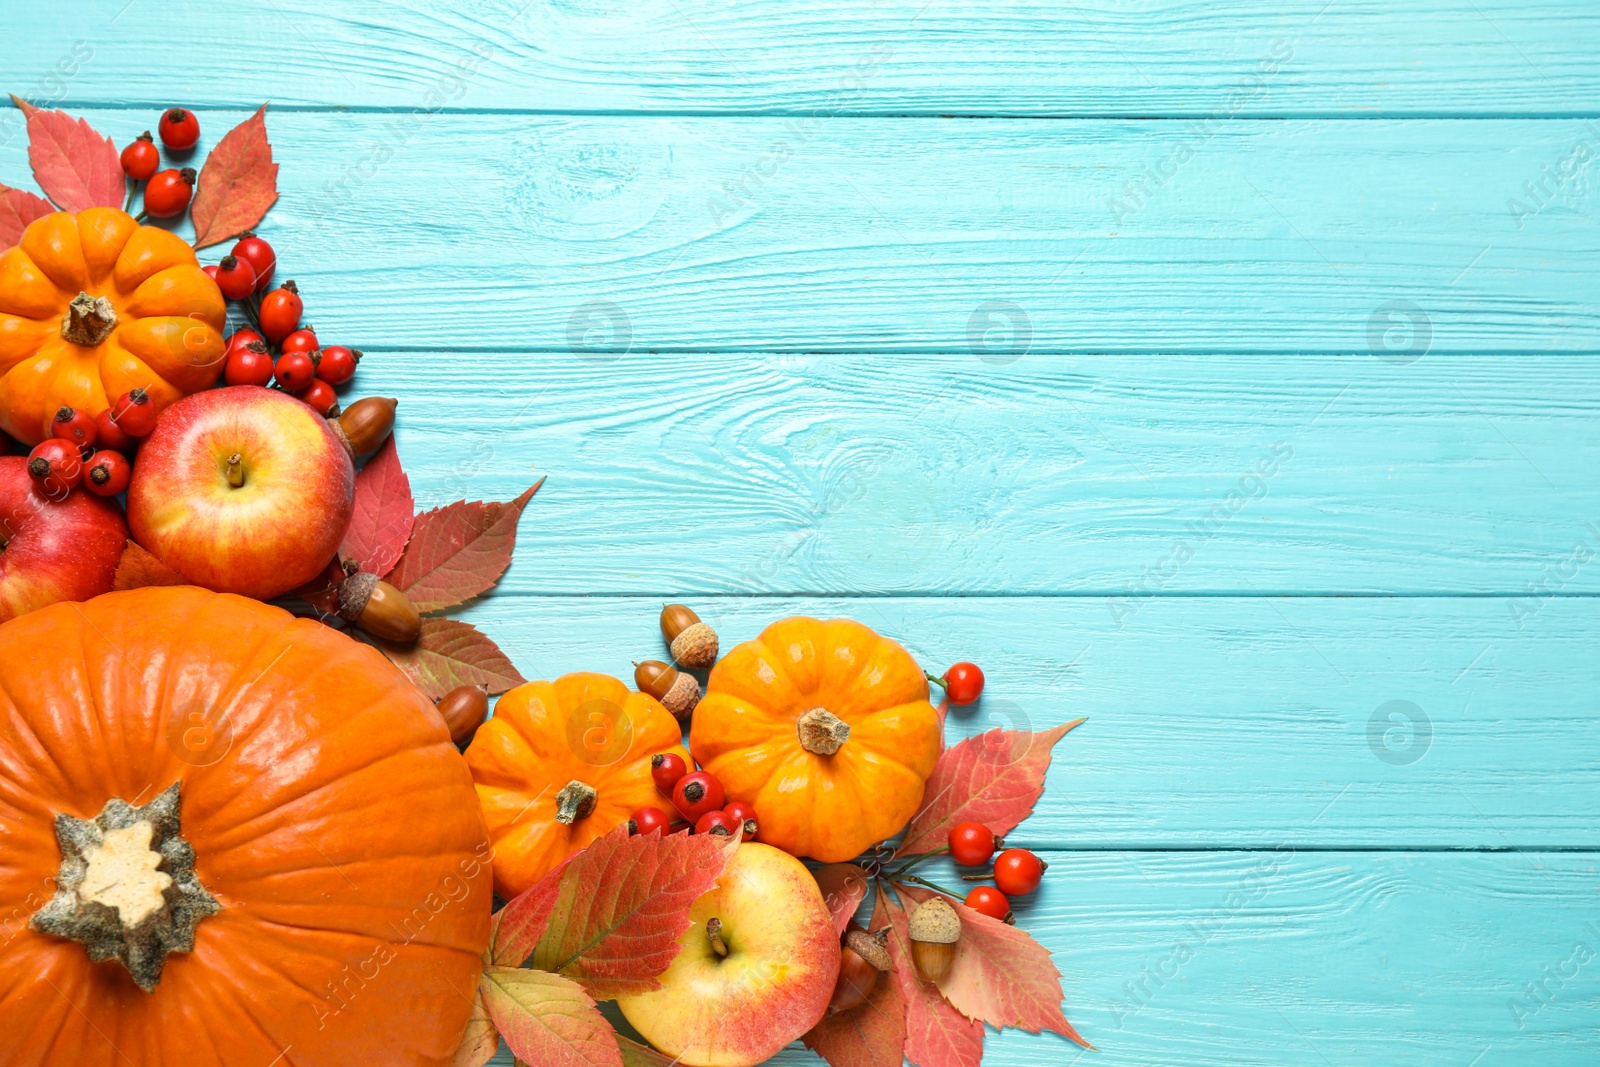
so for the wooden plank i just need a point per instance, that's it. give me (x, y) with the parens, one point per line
(1220, 722)
(1298, 959)
(930, 235)
(1033, 57)
(730, 473)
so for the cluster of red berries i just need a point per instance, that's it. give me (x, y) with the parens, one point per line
(698, 798)
(166, 192)
(92, 451)
(1016, 872)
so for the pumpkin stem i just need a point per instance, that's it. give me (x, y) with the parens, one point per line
(127, 888)
(575, 801)
(714, 933)
(822, 732)
(89, 320)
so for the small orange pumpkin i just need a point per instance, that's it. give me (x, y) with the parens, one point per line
(825, 727)
(93, 305)
(562, 763)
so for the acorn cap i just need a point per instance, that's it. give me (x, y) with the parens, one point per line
(874, 948)
(696, 646)
(354, 592)
(935, 922)
(683, 697)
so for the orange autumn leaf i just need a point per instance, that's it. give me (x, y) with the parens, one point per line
(139, 568)
(238, 183)
(75, 166)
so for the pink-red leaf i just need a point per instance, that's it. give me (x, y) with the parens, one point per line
(871, 1034)
(936, 1034)
(623, 902)
(451, 654)
(75, 166)
(1001, 975)
(18, 208)
(994, 778)
(238, 183)
(844, 887)
(138, 568)
(383, 515)
(458, 551)
(521, 923)
(22, 105)
(481, 1040)
(548, 1020)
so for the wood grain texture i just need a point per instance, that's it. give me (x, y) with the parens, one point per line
(1143, 476)
(1033, 57)
(1219, 722)
(866, 235)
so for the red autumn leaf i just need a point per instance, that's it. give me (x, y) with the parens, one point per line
(383, 515)
(22, 105)
(637, 1055)
(75, 166)
(238, 183)
(994, 778)
(138, 568)
(18, 208)
(548, 1019)
(451, 654)
(1001, 975)
(844, 887)
(936, 1034)
(871, 1034)
(521, 923)
(481, 1041)
(458, 551)
(623, 902)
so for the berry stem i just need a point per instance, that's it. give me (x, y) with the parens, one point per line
(977, 877)
(933, 886)
(940, 682)
(133, 187)
(915, 860)
(140, 217)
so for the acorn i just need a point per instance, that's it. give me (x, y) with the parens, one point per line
(364, 425)
(464, 708)
(379, 608)
(678, 692)
(691, 642)
(935, 928)
(862, 961)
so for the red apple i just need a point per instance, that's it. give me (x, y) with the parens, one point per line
(53, 550)
(242, 490)
(772, 985)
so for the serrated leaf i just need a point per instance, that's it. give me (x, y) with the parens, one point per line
(871, 1034)
(1000, 975)
(520, 924)
(481, 1040)
(458, 551)
(451, 654)
(844, 887)
(138, 569)
(19, 207)
(994, 778)
(384, 512)
(623, 903)
(548, 1020)
(76, 167)
(936, 1034)
(238, 183)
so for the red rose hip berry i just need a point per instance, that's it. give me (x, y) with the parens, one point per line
(107, 473)
(280, 312)
(963, 683)
(134, 413)
(295, 371)
(1018, 872)
(666, 768)
(971, 843)
(107, 434)
(241, 337)
(744, 814)
(141, 158)
(71, 424)
(697, 793)
(338, 364)
(249, 364)
(648, 821)
(236, 278)
(168, 193)
(716, 822)
(302, 340)
(179, 129)
(320, 397)
(987, 900)
(56, 467)
(259, 254)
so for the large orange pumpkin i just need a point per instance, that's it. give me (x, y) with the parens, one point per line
(283, 809)
(93, 305)
(562, 763)
(825, 727)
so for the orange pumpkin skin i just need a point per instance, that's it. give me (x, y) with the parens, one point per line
(828, 807)
(329, 813)
(582, 727)
(169, 318)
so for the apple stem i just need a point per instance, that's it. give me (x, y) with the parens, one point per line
(236, 470)
(714, 932)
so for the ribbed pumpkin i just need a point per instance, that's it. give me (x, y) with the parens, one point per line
(93, 305)
(825, 727)
(263, 786)
(562, 763)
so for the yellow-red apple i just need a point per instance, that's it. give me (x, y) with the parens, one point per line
(756, 969)
(242, 490)
(53, 550)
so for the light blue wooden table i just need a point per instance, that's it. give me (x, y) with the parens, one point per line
(1223, 372)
